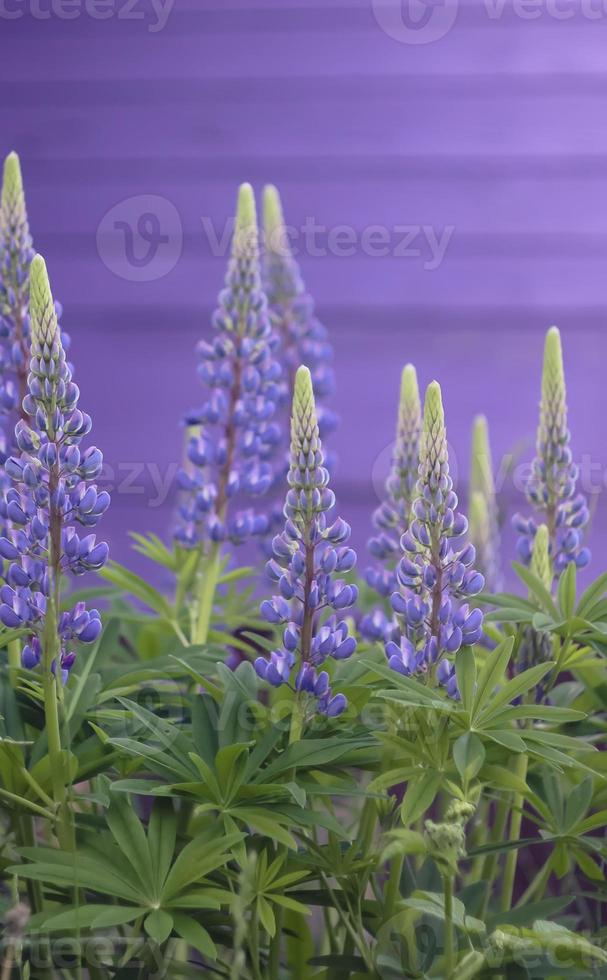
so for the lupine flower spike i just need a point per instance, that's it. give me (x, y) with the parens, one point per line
(482, 508)
(51, 492)
(302, 338)
(309, 556)
(392, 517)
(552, 484)
(16, 254)
(233, 432)
(535, 646)
(435, 576)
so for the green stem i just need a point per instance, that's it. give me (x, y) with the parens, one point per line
(209, 578)
(14, 662)
(448, 898)
(297, 720)
(538, 884)
(392, 892)
(516, 819)
(491, 861)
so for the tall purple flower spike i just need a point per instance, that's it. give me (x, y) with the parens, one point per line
(435, 576)
(52, 491)
(551, 488)
(233, 434)
(392, 517)
(308, 557)
(16, 254)
(302, 338)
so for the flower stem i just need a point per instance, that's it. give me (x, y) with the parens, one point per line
(209, 578)
(448, 899)
(14, 661)
(516, 819)
(392, 891)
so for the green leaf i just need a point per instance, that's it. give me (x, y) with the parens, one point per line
(420, 796)
(465, 669)
(137, 587)
(194, 934)
(566, 591)
(162, 832)
(514, 688)
(491, 674)
(129, 834)
(468, 755)
(537, 588)
(199, 857)
(158, 925)
(89, 917)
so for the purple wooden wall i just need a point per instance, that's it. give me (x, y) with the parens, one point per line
(495, 132)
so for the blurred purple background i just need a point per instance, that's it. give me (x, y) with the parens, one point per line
(481, 126)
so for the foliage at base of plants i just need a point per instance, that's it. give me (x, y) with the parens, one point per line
(278, 767)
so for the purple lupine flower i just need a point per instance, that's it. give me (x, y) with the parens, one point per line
(551, 488)
(309, 556)
(16, 254)
(435, 577)
(233, 435)
(51, 492)
(301, 337)
(391, 518)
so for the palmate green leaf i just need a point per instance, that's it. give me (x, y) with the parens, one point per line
(128, 832)
(591, 596)
(162, 835)
(490, 675)
(314, 753)
(468, 755)
(537, 589)
(135, 585)
(158, 925)
(198, 858)
(194, 934)
(566, 591)
(85, 873)
(420, 795)
(503, 778)
(465, 669)
(412, 690)
(432, 904)
(79, 917)
(513, 689)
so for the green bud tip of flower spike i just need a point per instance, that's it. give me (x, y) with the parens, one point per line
(541, 566)
(433, 450)
(481, 468)
(478, 518)
(12, 183)
(273, 220)
(42, 308)
(304, 425)
(245, 229)
(553, 378)
(410, 406)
